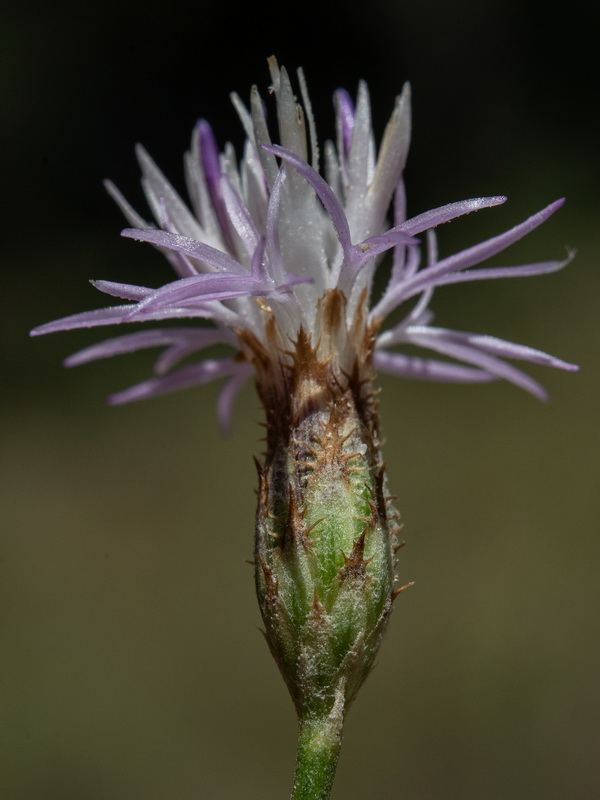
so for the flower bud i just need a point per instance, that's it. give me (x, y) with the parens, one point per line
(325, 527)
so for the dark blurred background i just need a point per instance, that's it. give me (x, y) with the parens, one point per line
(131, 664)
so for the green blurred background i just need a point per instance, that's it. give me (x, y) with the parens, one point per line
(131, 664)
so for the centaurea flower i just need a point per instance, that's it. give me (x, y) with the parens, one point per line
(282, 261)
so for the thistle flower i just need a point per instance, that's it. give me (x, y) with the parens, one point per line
(282, 260)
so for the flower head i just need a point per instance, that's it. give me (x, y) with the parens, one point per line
(273, 251)
(281, 260)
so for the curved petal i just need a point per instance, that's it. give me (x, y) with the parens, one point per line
(192, 375)
(324, 193)
(481, 359)
(86, 319)
(190, 247)
(228, 394)
(126, 291)
(489, 344)
(429, 369)
(191, 338)
(430, 276)
(437, 216)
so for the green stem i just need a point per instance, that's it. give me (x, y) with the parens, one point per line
(319, 742)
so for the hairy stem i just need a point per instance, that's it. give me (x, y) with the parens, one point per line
(319, 742)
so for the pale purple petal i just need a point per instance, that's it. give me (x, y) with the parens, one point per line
(209, 156)
(333, 170)
(412, 226)
(472, 355)
(215, 286)
(243, 114)
(130, 214)
(192, 375)
(393, 154)
(115, 315)
(432, 247)
(190, 247)
(375, 245)
(273, 244)
(191, 338)
(159, 190)
(126, 291)
(429, 277)
(200, 288)
(257, 267)
(86, 319)
(365, 252)
(228, 394)
(488, 344)
(484, 250)
(292, 133)
(198, 191)
(255, 190)
(174, 354)
(181, 264)
(361, 156)
(261, 135)
(430, 369)
(404, 264)
(489, 273)
(239, 217)
(205, 310)
(310, 118)
(400, 204)
(344, 108)
(323, 191)
(437, 216)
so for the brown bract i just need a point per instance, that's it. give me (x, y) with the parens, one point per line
(299, 377)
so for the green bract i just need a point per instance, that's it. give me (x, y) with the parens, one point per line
(326, 528)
